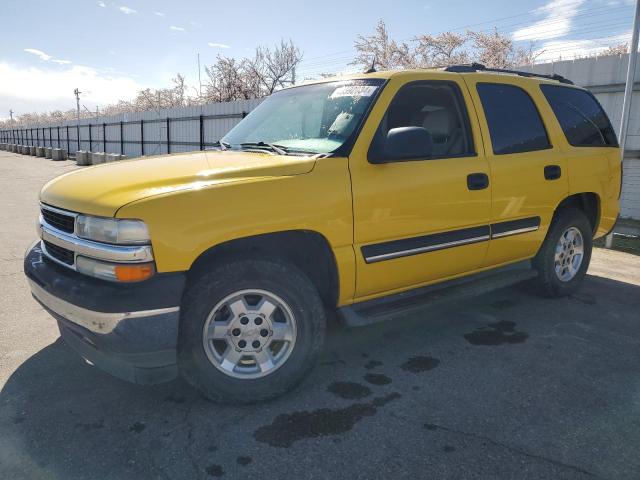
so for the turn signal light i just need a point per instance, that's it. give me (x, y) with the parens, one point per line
(134, 273)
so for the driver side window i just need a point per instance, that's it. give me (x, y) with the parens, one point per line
(431, 115)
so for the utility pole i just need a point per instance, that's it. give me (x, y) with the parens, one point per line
(628, 93)
(77, 93)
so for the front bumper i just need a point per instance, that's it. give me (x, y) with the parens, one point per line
(127, 330)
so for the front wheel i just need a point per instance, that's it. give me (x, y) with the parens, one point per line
(250, 330)
(564, 257)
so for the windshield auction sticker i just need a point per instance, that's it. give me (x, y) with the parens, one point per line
(354, 91)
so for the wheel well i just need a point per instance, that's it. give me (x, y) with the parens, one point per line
(588, 202)
(308, 250)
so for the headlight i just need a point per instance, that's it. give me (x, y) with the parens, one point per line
(112, 230)
(115, 272)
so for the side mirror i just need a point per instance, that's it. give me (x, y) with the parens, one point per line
(404, 143)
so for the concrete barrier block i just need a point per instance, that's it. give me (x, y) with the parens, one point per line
(25, 150)
(98, 157)
(40, 151)
(58, 154)
(32, 150)
(82, 157)
(14, 148)
(3, 146)
(112, 157)
(47, 152)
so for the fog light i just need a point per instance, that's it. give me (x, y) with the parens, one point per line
(115, 272)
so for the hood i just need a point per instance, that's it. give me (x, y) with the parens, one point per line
(103, 189)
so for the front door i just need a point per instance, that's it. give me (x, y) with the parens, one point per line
(424, 219)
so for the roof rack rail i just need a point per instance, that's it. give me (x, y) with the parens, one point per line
(478, 67)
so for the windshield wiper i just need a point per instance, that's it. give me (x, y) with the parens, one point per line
(222, 145)
(279, 149)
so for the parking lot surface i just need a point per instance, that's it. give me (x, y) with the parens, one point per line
(507, 385)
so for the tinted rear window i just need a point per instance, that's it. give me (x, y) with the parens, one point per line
(580, 115)
(514, 122)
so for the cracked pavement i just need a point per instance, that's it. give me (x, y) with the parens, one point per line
(507, 385)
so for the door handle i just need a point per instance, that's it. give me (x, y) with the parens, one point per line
(552, 172)
(477, 181)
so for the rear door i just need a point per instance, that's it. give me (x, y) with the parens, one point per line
(424, 219)
(529, 172)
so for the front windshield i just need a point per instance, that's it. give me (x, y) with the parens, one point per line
(310, 119)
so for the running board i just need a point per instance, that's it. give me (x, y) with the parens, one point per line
(378, 310)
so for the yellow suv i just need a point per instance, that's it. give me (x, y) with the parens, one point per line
(363, 194)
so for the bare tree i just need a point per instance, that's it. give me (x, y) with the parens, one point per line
(268, 70)
(619, 49)
(387, 54)
(448, 48)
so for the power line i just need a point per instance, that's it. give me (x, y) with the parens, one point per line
(307, 66)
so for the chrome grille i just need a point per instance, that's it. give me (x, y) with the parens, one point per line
(58, 219)
(61, 254)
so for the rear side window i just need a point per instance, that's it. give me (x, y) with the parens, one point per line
(581, 117)
(514, 122)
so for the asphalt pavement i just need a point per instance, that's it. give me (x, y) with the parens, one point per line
(507, 385)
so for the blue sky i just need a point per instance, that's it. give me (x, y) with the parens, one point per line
(112, 48)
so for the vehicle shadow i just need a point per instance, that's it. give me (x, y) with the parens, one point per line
(61, 418)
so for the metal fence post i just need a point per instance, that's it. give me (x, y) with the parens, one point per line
(201, 133)
(121, 138)
(168, 138)
(104, 137)
(78, 135)
(142, 138)
(58, 128)
(68, 147)
(50, 137)
(90, 139)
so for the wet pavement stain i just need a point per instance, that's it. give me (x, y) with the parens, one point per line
(349, 390)
(18, 419)
(430, 426)
(377, 379)
(288, 428)
(420, 363)
(244, 460)
(371, 364)
(137, 427)
(496, 334)
(214, 470)
(448, 449)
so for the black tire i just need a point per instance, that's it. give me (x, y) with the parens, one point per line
(548, 283)
(203, 294)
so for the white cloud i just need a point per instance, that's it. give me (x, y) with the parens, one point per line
(61, 62)
(38, 53)
(47, 87)
(177, 29)
(159, 14)
(102, 4)
(218, 45)
(557, 21)
(127, 11)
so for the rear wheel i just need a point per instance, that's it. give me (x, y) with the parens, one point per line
(564, 257)
(250, 330)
